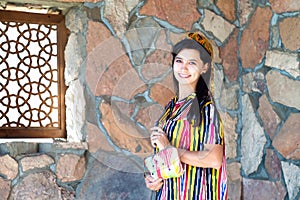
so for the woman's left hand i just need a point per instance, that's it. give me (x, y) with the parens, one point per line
(159, 138)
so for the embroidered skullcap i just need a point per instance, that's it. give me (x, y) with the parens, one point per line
(203, 41)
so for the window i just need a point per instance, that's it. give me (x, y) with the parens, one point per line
(32, 86)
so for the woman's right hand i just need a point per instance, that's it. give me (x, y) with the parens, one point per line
(159, 138)
(153, 184)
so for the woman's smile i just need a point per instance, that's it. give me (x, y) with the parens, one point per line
(182, 75)
(188, 66)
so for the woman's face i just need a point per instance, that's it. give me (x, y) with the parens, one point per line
(188, 67)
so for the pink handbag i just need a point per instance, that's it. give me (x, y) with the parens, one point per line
(164, 164)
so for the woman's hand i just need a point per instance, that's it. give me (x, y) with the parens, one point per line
(153, 184)
(159, 138)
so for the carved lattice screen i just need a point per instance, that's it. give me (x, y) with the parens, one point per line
(31, 75)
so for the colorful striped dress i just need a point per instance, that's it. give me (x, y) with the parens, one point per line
(196, 183)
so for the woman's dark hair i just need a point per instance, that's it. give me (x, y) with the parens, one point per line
(202, 91)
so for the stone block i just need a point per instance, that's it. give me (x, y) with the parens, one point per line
(4, 188)
(70, 167)
(291, 175)
(285, 6)
(110, 179)
(255, 38)
(168, 10)
(283, 89)
(229, 57)
(289, 31)
(253, 138)
(259, 189)
(8, 167)
(36, 162)
(269, 117)
(287, 141)
(217, 25)
(272, 165)
(283, 61)
(40, 185)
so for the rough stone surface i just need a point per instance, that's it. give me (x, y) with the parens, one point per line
(8, 167)
(76, 20)
(254, 82)
(168, 10)
(142, 40)
(74, 57)
(217, 25)
(75, 109)
(33, 162)
(228, 8)
(65, 146)
(162, 44)
(287, 141)
(257, 189)
(96, 139)
(291, 175)
(98, 60)
(245, 9)
(4, 188)
(234, 181)
(229, 97)
(218, 83)
(163, 91)
(123, 185)
(283, 90)
(157, 64)
(121, 161)
(116, 11)
(96, 33)
(70, 167)
(36, 186)
(253, 138)
(19, 148)
(229, 57)
(93, 13)
(129, 85)
(123, 132)
(283, 61)
(289, 34)
(78, 1)
(113, 76)
(230, 133)
(255, 38)
(273, 165)
(284, 6)
(147, 116)
(268, 116)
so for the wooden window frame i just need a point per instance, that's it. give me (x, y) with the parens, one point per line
(62, 34)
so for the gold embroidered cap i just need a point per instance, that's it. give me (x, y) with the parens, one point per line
(203, 41)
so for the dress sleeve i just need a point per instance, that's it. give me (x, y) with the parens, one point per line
(211, 125)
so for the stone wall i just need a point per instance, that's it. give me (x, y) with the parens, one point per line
(119, 79)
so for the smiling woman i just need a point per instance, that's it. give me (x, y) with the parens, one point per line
(187, 68)
(192, 124)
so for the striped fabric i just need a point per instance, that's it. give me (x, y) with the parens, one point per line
(196, 182)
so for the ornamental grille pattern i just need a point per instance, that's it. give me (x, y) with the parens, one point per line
(31, 75)
(28, 71)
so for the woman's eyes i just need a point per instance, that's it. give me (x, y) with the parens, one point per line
(178, 60)
(181, 61)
